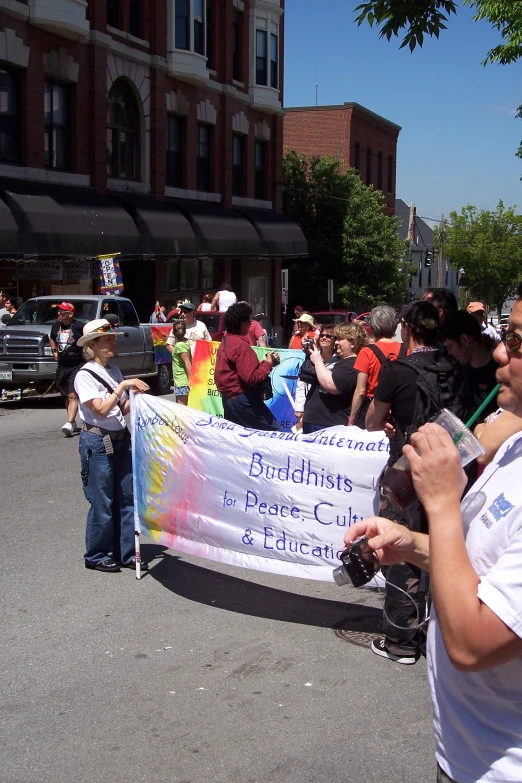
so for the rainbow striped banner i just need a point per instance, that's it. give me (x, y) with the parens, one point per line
(205, 397)
(159, 340)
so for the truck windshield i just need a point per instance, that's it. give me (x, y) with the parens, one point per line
(40, 312)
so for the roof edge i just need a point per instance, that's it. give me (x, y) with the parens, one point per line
(341, 107)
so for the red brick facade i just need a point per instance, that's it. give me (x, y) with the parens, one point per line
(102, 54)
(343, 132)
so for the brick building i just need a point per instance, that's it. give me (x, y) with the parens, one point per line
(354, 135)
(153, 128)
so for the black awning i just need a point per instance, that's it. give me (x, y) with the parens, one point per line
(220, 231)
(279, 235)
(164, 230)
(69, 222)
(9, 234)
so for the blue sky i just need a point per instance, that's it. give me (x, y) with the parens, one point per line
(459, 134)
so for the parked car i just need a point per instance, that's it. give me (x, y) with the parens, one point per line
(26, 360)
(334, 317)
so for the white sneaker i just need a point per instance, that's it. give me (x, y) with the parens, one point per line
(69, 429)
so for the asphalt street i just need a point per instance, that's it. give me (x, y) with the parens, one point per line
(199, 672)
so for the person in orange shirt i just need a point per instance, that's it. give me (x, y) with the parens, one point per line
(305, 329)
(383, 322)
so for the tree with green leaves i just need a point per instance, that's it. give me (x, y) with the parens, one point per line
(349, 238)
(415, 19)
(487, 246)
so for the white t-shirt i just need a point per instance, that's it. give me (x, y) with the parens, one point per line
(88, 388)
(478, 716)
(196, 331)
(225, 300)
(205, 307)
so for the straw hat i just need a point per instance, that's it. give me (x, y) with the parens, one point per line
(306, 318)
(96, 328)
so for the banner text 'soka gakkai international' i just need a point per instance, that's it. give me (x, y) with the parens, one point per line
(272, 501)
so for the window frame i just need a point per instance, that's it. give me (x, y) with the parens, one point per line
(113, 14)
(209, 41)
(238, 169)
(199, 28)
(51, 125)
(237, 47)
(274, 64)
(262, 59)
(12, 120)
(177, 165)
(390, 175)
(260, 172)
(204, 163)
(379, 171)
(135, 17)
(174, 273)
(368, 179)
(357, 156)
(182, 24)
(115, 168)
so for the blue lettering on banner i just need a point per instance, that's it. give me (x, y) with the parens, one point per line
(159, 421)
(274, 510)
(322, 515)
(281, 542)
(302, 471)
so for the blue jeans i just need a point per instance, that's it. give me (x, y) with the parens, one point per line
(250, 411)
(309, 428)
(107, 485)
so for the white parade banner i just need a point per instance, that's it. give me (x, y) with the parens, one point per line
(277, 502)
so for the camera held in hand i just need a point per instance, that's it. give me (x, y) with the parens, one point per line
(307, 344)
(359, 564)
(275, 358)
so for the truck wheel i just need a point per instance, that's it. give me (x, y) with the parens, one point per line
(163, 380)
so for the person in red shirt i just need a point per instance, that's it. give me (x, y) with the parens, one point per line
(239, 374)
(305, 329)
(383, 322)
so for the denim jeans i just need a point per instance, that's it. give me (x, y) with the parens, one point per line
(250, 411)
(107, 485)
(309, 428)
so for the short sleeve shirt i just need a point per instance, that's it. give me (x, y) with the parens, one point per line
(178, 365)
(477, 721)
(88, 388)
(66, 339)
(368, 362)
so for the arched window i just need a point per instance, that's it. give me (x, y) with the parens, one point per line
(357, 156)
(123, 133)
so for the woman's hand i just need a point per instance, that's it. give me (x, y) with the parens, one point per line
(315, 355)
(436, 468)
(298, 415)
(136, 384)
(392, 543)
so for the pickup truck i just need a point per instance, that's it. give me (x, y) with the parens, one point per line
(26, 360)
(215, 323)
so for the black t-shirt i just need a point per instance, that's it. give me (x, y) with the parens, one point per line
(479, 381)
(398, 387)
(332, 409)
(66, 337)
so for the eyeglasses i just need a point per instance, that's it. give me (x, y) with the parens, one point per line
(326, 337)
(512, 341)
(64, 312)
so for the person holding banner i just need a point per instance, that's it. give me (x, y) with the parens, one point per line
(105, 451)
(239, 374)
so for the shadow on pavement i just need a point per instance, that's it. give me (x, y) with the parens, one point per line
(222, 591)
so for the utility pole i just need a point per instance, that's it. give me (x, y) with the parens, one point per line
(440, 257)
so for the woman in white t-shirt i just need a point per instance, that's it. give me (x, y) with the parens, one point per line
(105, 451)
(224, 299)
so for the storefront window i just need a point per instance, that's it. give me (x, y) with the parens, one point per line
(172, 275)
(189, 274)
(207, 274)
(257, 294)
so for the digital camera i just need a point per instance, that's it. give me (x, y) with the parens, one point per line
(307, 343)
(359, 564)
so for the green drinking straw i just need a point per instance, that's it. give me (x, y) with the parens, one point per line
(493, 393)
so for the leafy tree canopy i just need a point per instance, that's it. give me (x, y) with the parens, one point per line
(349, 238)
(487, 246)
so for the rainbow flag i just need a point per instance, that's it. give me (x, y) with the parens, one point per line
(159, 340)
(205, 397)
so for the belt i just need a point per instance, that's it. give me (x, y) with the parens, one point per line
(107, 435)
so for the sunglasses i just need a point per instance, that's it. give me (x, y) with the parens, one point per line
(108, 329)
(512, 341)
(326, 336)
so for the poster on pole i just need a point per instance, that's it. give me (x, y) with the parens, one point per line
(111, 281)
(272, 501)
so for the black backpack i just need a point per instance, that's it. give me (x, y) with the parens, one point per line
(439, 386)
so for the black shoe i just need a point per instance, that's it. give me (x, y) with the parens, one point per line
(378, 647)
(132, 564)
(108, 564)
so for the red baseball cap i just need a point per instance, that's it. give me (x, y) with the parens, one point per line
(67, 306)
